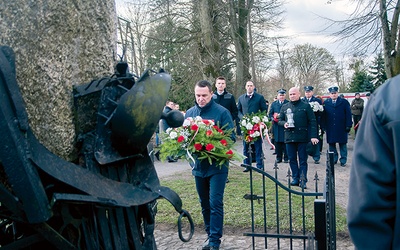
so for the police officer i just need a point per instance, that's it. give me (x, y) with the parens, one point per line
(310, 98)
(278, 131)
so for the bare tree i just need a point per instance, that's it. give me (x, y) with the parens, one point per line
(374, 24)
(313, 66)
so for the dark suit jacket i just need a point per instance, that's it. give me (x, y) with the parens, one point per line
(248, 105)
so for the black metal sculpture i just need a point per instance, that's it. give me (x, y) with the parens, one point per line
(105, 200)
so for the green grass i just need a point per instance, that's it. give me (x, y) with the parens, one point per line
(237, 209)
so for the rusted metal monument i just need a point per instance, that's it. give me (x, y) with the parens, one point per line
(107, 198)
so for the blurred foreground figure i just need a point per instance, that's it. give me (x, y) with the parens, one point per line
(374, 201)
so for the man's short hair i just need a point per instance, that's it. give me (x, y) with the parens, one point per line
(220, 78)
(203, 84)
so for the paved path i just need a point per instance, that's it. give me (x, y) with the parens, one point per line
(167, 238)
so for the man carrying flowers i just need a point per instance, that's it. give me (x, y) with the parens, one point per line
(209, 172)
(249, 103)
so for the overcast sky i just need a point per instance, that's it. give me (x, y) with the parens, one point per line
(303, 24)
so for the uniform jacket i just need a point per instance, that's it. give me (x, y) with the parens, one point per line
(278, 131)
(357, 106)
(373, 212)
(221, 117)
(304, 119)
(248, 105)
(335, 119)
(317, 114)
(227, 100)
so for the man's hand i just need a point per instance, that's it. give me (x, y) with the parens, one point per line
(348, 129)
(276, 117)
(314, 141)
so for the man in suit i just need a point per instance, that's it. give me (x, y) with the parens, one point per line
(309, 98)
(278, 131)
(336, 121)
(248, 103)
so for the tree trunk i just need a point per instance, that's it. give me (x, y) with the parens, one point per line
(238, 21)
(58, 44)
(208, 40)
(390, 34)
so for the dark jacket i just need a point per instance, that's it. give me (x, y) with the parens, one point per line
(278, 131)
(317, 114)
(304, 119)
(227, 100)
(221, 117)
(248, 105)
(373, 212)
(357, 106)
(335, 119)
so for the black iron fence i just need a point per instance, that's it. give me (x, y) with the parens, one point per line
(285, 211)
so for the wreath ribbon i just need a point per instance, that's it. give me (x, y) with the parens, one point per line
(267, 137)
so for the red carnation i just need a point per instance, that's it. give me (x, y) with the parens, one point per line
(198, 146)
(209, 147)
(230, 153)
(224, 142)
(194, 127)
(209, 133)
(256, 127)
(181, 138)
(206, 122)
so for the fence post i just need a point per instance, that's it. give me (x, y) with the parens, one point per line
(320, 223)
(330, 202)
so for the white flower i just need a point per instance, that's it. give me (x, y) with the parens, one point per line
(186, 122)
(249, 126)
(168, 130)
(244, 123)
(316, 106)
(265, 119)
(173, 135)
(256, 119)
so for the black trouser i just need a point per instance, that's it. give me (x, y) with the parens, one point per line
(280, 149)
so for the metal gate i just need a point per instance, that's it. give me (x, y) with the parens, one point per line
(296, 234)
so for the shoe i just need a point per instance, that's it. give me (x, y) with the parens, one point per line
(274, 153)
(343, 164)
(316, 162)
(286, 161)
(303, 185)
(227, 180)
(246, 170)
(294, 183)
(278, 161)
(206, 245)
